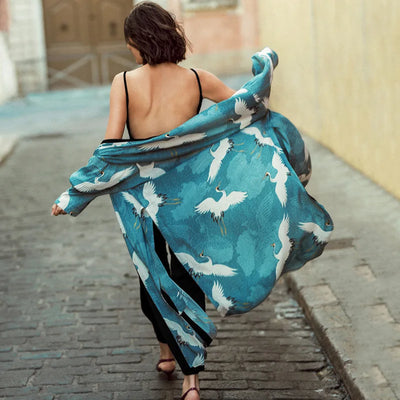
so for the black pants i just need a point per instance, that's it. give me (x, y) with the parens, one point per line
(182, 278)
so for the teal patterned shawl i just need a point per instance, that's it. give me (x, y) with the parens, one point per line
(227, 191)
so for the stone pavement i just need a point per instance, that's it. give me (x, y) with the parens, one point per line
(351, 294)
(71, 327)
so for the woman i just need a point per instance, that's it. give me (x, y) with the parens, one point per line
(152, 100)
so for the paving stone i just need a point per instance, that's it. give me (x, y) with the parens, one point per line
(119, 359)
(71, 362)
(17, 379)
(38, 356)
(86, 396)
(17, 364)
(69, 389)
(104, 377)
(26, 392)
(51, 376)
(115, 387)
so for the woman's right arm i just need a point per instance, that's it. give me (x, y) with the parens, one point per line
(213, 88)
(117, 117)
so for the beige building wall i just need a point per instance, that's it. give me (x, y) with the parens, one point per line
(338, 78)
(224, 34)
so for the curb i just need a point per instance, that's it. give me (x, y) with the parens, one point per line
(339, 363)
(7, 145)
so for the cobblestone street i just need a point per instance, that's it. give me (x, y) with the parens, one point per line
(71, 327)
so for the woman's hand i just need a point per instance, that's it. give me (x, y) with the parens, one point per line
(56, 210)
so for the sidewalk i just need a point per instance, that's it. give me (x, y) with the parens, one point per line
(351, 294)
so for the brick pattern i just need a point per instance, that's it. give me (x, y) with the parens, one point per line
(70, 320)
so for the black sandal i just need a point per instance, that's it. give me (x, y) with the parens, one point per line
(187, 391)
(161, 360)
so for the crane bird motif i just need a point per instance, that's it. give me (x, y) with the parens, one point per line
(121, 225)
(102, 185)
(204, 268)
(263, 100)
(280, 178)
(218, 208)
(173, 141)
(198, 360)
(183, 337)
(261, 140)
(155, 200)
(240, 91)
(138, 210)
(224, 303)
(287, 245)
(141, 268)
(63, 200)
(244, 112)
(320, 236)
(150, 171)
(305, 178)
(225, 146)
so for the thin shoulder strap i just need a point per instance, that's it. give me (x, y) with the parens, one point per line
(127, 103)
(200, 90)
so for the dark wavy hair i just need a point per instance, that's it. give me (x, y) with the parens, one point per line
(155, 33)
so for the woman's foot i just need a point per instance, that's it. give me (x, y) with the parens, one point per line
(190, 381)
(168, 367)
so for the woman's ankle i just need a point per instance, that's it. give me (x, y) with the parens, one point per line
(190, 381)
(165, 351)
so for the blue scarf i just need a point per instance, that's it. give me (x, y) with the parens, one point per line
(227, 191)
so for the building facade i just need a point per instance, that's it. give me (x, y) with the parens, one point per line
(56, 44)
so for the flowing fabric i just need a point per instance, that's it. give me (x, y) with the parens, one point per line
(227, 191)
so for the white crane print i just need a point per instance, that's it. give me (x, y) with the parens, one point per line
(121, 225)
(224, 303)
(280, 178)
(286, 246)
(320, 236)
(218, 208)
(265, 52)
(198, 360)
(173, 141)
(204, 268)
(244, 112)
(102, 185)
(264, 100)
(155, 201)
(150, 171)
(225, 146)
(260, 139)
(305, 178)
(64, 199)
(138, 209)
(240, 91)
(141, 268)
(183, 337)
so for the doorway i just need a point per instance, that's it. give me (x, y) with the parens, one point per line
(85, 41)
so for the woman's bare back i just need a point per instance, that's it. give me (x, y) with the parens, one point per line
(161, 98)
